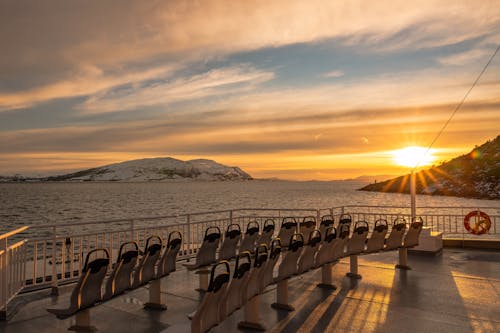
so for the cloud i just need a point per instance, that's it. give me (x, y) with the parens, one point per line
(89, 80)
(335, 73)
(226, 132)
(221, 81)
(42, 60)
(467, 57)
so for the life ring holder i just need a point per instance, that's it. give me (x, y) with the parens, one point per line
(481, 222)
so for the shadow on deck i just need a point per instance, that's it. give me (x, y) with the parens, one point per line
(456, 292)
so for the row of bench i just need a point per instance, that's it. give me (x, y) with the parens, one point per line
(225, 295)
(234, 242)
(129, 272)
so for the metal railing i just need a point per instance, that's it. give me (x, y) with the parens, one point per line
(54, 253)
(12, 268)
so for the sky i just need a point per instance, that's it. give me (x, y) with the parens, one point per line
(290, 89)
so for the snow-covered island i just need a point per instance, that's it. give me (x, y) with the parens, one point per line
(151, 169)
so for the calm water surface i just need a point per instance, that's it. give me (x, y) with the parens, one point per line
(42, 203)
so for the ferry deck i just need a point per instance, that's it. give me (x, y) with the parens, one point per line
(458, 291)
(455, 290)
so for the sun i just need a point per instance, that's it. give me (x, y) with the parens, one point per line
(413, 156)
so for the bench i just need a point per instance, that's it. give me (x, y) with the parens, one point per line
(232, 237)
(205, 256)
(87, 292)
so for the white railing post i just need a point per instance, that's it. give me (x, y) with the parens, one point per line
(54, 290)
(12, 269)
(3, 273)
(132, 230)
(190, 245)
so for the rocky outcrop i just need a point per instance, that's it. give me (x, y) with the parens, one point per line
(473, 175)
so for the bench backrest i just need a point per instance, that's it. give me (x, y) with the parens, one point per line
(229, 245)
(307, 258)
(208, 313)
(267, 232)
(411, 237)
(376, 241)
(287, 229)
(250, 237)
(325, 251)
(120, 279)
(357, 241)
(145, 271)
(169, 258)
(327, 221)
(88, 289)
(395, 239)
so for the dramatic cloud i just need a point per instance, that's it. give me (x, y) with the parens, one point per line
(223, 81)
(46, 44)
(285, 87)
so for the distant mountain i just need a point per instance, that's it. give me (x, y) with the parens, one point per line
(473, 175)
(372, 179)
(153, 169)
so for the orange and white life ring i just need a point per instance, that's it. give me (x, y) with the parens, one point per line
(480, 224)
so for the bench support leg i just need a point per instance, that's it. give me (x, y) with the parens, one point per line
(354, 267)
(326, 277)
(252, 317)
(282, 297)
(403, 259)
(204, 276)
(82, 322)
(155, 296)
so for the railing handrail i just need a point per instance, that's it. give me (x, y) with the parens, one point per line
(13, 232)
(159, 217)
(185, 215)
(18, 244)
(418, 207)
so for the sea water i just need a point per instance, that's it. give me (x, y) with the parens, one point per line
(63, 202)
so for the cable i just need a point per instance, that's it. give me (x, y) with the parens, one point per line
(457, 107)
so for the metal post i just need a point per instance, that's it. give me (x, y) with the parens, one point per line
(252, 317)
(403, 259)
(353, 260)
(54, 290)
(231, 216)
(413, 192)
(203, 279)
(132, 230)
(282, 296)
(155, 302)
(190, 245)
(82, 322)
(326, 277)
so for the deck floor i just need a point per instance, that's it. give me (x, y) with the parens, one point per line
(456, 292)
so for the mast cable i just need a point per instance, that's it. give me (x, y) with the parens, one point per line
(457, 108)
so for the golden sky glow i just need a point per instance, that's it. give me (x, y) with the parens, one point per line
(413, 156)
(290, 89)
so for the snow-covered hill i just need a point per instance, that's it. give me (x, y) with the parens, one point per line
(157, 169)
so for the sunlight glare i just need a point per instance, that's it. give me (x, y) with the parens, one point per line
(413, 155)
